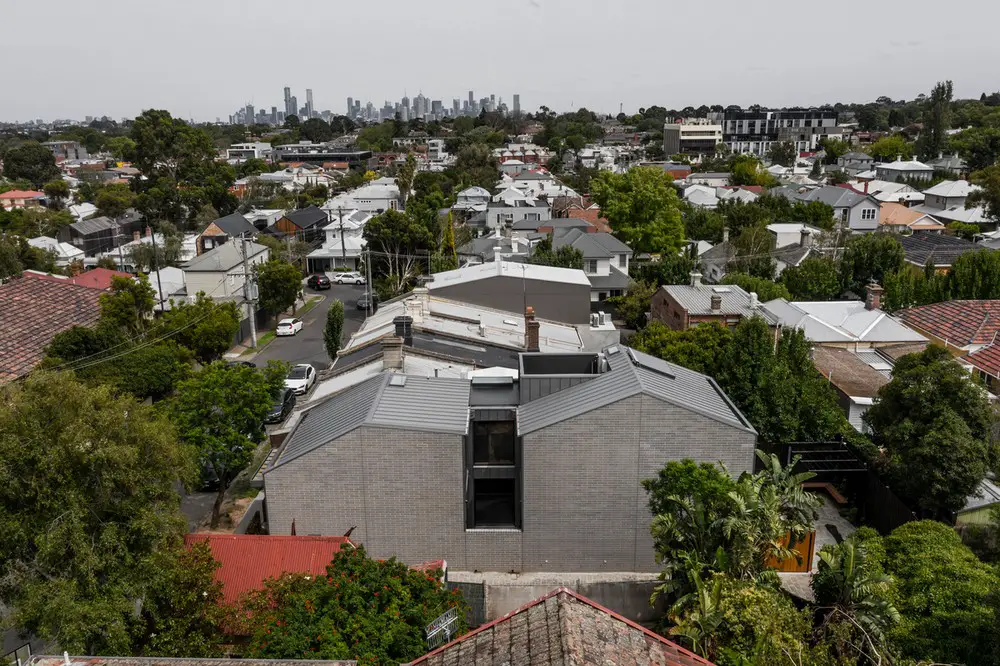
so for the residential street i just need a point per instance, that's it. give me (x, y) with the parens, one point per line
(307, 345)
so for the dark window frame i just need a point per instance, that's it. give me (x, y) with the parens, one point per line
(487, 472)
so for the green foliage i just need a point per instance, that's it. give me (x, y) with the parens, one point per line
(56, 190)
(932, 423)
(697, 348)
(815, 279)
(963, 230)
(128, 305)
(10, 259)
(867, 258)
(114, 200)
(945, 595)
(206, 327)
(632, 306)
(396, 240)
(279, 284)
(370, 610)
(670, 269)
(90, 507)
(31, 161)
(566, 256)
(477, 166)
(334, 331)
(834, 148)
(978, 146)
(642, 208)
(404, 178)
(766, 290)
(889, 148)
(989, 197)
(937, 120)
(783, 153)
(220, 414)
(747, 170)
(315, 130)
(377, 138)
(702, 223)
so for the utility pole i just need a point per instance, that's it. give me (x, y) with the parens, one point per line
(368, 280)
(159, 282)
(343, 246)
(248, 292)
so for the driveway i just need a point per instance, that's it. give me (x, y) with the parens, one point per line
(307, 345)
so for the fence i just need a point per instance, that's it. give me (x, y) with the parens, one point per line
(475, 596)
(880, 507)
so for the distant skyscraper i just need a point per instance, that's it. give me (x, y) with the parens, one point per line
(274, 115)
(517, 104)
(406, 102)
(293, 107)
(456, 107)
(309, 103)
(289, 109)
(248, 118)
(350, 107)
(437, 108)
(472, 99)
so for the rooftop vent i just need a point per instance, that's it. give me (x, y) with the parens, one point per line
(397, 380)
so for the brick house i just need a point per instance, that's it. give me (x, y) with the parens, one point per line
(680, 307)
(504, 474)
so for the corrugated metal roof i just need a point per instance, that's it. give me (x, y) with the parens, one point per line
(93, 225)
(247, 560)
(387, 399)
(631, 373)
(986, 494)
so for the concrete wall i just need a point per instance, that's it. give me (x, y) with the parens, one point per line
(556, 301)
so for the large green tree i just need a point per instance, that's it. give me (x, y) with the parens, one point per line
(932, 422)
(30, 161)
(399, 245)
(220, 413)
(315, 130)
(815, 279)
(334, 331)
(642, 207)
(566, 256)
(697, 348)
(206, 327)
(868, 258)
(889, 148)
(783, 153)
(766, 290)
(937, 121)
(128, 305)
(373, 611)
(279, 284)
(87, 487)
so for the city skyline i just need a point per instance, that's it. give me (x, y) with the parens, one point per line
(771, 58)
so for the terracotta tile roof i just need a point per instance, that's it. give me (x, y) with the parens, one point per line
(249, 559)
(32, 311)
(60, 660)
(959, 323)
(561, 628)
(898, 215)
(98, 278)
(22, 194)
(986, 359)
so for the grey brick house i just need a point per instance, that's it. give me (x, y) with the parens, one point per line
(539, 473)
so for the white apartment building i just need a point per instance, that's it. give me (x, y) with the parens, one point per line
(239, 152)
(691, 136)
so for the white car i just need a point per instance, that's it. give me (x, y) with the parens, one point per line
(289, 326)
(301, 378)
(352, 277)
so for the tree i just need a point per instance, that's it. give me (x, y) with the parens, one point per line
(989, 180)
(128, 305)
(632, 306)
(766, 290)
(90, 507)
(642, 208)
(670, 269)
(945, 595)
(10, 261)
(932, 423)
(890, 148)
(279, 284)
(702, 223)
(868, 258)
(220, 414)
(398, 242)
(815, 279)
(404, 178)
(937, 120)
(834, 148)
(783, 153)
(566, 256)
(31, 161)
(978, 146)
(372, 611)
(114, 200)
(747, 170)
(57, 190)
(447, 248)
(334, 331)
(206, 327)
(697, 348)
(315, 130)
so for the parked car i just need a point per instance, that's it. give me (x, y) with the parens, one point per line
(318, 282)
(364, 301)
(301, 378)
(282, 408)
(237, 364)
(289, 326)
(350, 277)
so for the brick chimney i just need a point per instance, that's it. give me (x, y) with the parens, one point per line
(404, 329)
(805, 237)
(530, 330)
(873, 296)
(695, 279)
(392, 353)
(716, 302)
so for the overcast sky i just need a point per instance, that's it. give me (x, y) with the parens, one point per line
(205, 58)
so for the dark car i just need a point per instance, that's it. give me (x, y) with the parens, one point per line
(245, 364)
(318, 282)
(281, 409)
(364, 302)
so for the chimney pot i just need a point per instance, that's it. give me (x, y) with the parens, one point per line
(716, 302)
(404, 328)
(873, 296)
(695, 279)
(725, 234)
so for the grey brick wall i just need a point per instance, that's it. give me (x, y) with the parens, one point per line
(583, 507)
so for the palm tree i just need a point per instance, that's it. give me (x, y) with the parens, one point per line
(799, 508)
(698, 615)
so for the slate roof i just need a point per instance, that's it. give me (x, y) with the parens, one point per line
(562, 628)
(959, 323)
(247, 560)
(840, 321)
(306, 218)
(32, 311)
(223, 258)
(986, 359)
(92, 226)
(942, 250)
(856, 157)
(632, 373)
(582, 241)
(234, 225)
(555, 223)
(385, 400)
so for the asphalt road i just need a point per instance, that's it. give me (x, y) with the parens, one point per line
(306, 346)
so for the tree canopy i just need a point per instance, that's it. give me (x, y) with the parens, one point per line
(642, 208)
(279, 284)
(31, 161)
(566, 256)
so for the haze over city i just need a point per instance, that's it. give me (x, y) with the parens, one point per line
(202, 60)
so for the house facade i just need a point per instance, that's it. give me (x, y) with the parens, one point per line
(681, 307)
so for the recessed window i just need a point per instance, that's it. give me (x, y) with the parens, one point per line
(495, 503)
(493, 443)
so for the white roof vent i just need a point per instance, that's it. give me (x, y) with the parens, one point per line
(722, 290)
(397, 380)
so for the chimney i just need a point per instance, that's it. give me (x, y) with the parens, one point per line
(754, 300)
(136, 235)
(716, 302)
(940, 155)
(725, 234)
(805, 237)
(873, 296)
(899, 158)
(530, 330)
(392, 353)
(866, 187)
(404, 329)
(695, 279)
(149, 232)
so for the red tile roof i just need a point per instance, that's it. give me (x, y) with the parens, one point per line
(22, 194)
(563, 628)
(98, 278)
(986, 359)
(32, 311)
(959, 323)
(249, 559)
